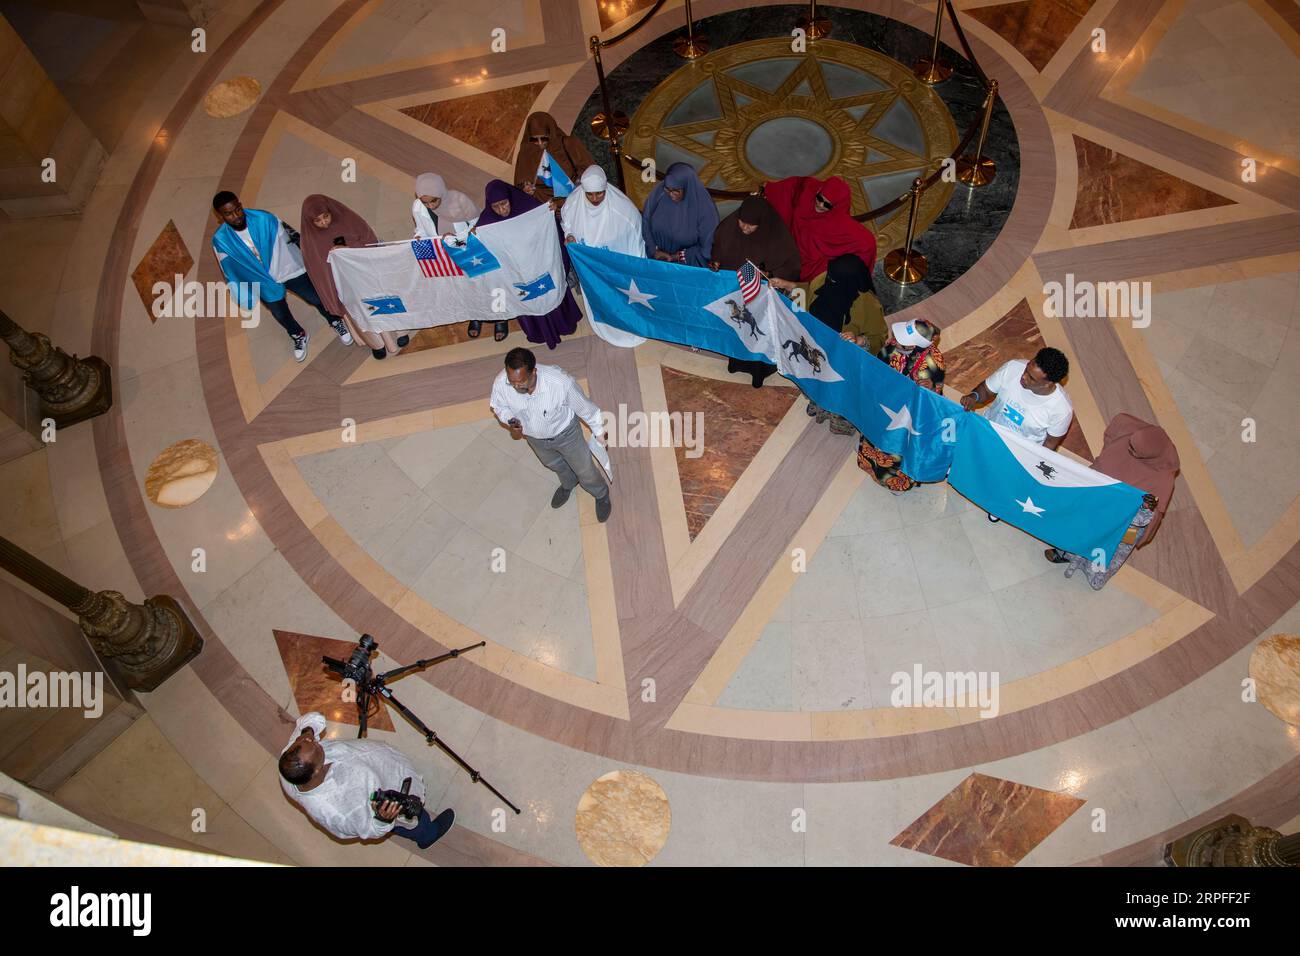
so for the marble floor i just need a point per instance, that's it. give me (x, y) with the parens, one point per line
(725, 646)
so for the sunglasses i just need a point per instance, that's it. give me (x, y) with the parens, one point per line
(822, 201)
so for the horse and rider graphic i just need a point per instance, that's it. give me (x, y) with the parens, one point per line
(742, 317)
(802, 350)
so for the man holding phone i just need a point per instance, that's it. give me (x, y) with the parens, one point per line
(542, 404)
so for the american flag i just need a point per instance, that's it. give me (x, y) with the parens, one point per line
(749, 280)
(434, 259)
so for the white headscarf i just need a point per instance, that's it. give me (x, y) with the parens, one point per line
(615, 224)
(455, 206)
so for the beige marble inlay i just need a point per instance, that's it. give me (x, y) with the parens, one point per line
(181, 473)
(1275, 668)
(623, 819)
(232, 97)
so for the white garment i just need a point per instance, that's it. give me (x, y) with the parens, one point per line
(455, 207)
(286, 260)
(357, 768)
(614, 225)
(1024, 412)
(551, 406)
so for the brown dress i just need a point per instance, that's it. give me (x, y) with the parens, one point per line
(568, 151)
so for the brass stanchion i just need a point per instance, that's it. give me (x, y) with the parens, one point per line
(148, 642)
(904, 265)
(691, 47)
(979, 170)
(600, 124)
(71, 389)
(930, 69)
(813, 26)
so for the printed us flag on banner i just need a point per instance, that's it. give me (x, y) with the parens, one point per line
(749, 280)
(434, 259)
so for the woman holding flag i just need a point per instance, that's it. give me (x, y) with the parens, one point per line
(549, 161)
(436, 210)
(501, 202)
(911, 350)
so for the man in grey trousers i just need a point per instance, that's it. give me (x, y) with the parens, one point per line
(542, 404)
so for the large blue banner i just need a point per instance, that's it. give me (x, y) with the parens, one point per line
(1082, 513)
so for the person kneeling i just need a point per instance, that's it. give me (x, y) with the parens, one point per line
(333, 781)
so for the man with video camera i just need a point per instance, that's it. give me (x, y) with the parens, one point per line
(353, 788)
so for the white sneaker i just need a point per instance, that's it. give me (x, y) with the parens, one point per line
(344, 335)
(300, 347)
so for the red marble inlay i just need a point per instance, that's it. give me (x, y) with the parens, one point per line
(1014, 336)
(487, 121)
(738, 419)
(986, 821)
(1036, 28)
(314, 687)
(167, 258)
(1117, 188)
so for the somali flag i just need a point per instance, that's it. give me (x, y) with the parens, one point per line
(470, 255)
(552, 174)
(1046, 494)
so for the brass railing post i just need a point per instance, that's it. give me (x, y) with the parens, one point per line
(691, 47)
(813, 26)
(71, 389)
(148, 642)
(600, 124)
(978, 169)
(930, 69)
(903, 265)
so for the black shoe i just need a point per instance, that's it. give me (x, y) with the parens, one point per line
(379, 353)
(475, 327)
(501, 330)
(992, 519)
(441, 824)
(560, 497)
(603, 507)
(732, 366)
(1056, 556)
(403, 341)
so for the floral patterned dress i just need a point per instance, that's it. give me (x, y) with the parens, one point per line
(925, 368)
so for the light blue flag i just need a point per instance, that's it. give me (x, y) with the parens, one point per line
(1050, 496)
(552, 174)
(469, 253)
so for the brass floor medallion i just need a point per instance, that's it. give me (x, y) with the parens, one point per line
(756, 111)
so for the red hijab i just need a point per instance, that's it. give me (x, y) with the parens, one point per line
(821, 236)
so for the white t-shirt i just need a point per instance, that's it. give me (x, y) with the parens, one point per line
(1030, 415)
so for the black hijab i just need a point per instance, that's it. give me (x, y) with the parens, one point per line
(771, 247)
(847, 277)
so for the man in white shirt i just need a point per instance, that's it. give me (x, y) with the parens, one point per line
(260, 258)
(333, 781)
(1027, 398)
(542, 404)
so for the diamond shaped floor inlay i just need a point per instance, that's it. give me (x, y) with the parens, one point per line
(986, 821)
(314, 687)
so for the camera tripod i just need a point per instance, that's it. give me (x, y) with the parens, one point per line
(371, 686)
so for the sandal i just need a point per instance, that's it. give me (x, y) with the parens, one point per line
(500, 330)
(475, 327)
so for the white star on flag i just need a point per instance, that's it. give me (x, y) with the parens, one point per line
(899, 419)
(1029, 507)
(636, 297)
(476, 261)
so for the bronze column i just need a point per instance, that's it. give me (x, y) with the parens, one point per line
(147, 642)
(71, 389)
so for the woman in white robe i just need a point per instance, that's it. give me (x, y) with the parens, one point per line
(600, 215)
(436, 207)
